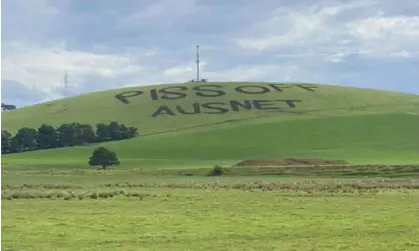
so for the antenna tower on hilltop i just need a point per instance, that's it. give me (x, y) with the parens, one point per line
(197, 80)
(65, 80)
(197, 63)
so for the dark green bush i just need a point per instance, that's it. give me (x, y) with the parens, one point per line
(217, 171)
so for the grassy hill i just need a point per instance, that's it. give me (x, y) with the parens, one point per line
(235, 121)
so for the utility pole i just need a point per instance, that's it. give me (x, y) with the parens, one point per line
(197, 63)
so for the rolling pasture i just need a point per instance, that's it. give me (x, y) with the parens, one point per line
(163, 196)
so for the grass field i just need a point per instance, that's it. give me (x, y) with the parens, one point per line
(162, 198)
(60, 209)
(358, 139)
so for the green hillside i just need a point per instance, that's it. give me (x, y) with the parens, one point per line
(235, 121)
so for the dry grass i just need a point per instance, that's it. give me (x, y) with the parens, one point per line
(68, 195)
(281, 185)
(70, 192)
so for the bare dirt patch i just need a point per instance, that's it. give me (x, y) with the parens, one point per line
(289, 162)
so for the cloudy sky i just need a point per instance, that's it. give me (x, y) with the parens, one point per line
(108, 44)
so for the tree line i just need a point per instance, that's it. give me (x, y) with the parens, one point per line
(67, 134)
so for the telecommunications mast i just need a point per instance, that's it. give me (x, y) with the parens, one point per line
(65, 80)
(197, 63)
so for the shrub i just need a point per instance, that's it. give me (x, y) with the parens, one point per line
(94, 196)
(105, 195)
(216, 171)
(68, 197)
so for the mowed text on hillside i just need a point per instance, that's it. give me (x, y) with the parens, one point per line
(229, 122)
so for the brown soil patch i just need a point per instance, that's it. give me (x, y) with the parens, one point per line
(289, 162)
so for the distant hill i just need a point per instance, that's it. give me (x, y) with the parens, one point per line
(228, 122)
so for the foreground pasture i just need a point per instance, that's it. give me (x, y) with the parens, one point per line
(127, 210)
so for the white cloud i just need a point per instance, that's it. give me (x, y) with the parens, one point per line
(148, 42)
(178, 71)
(298, 26)
(335, 31)
(32, 7)
(43, 67)
(386, 27)
(279, 71)
(402, 54)
(26, 19)
(395, 36)
(186, 72)
(162, 13)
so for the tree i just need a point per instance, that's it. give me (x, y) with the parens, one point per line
(6, 140)
(65, 135)
(47, 137)
(26, 139)
(87, 133)
(5, 107)
(133, 131)
(70, 134)
(128, 132)
(114, 129)
(103, 157)
(102, 133)
(15, 146)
